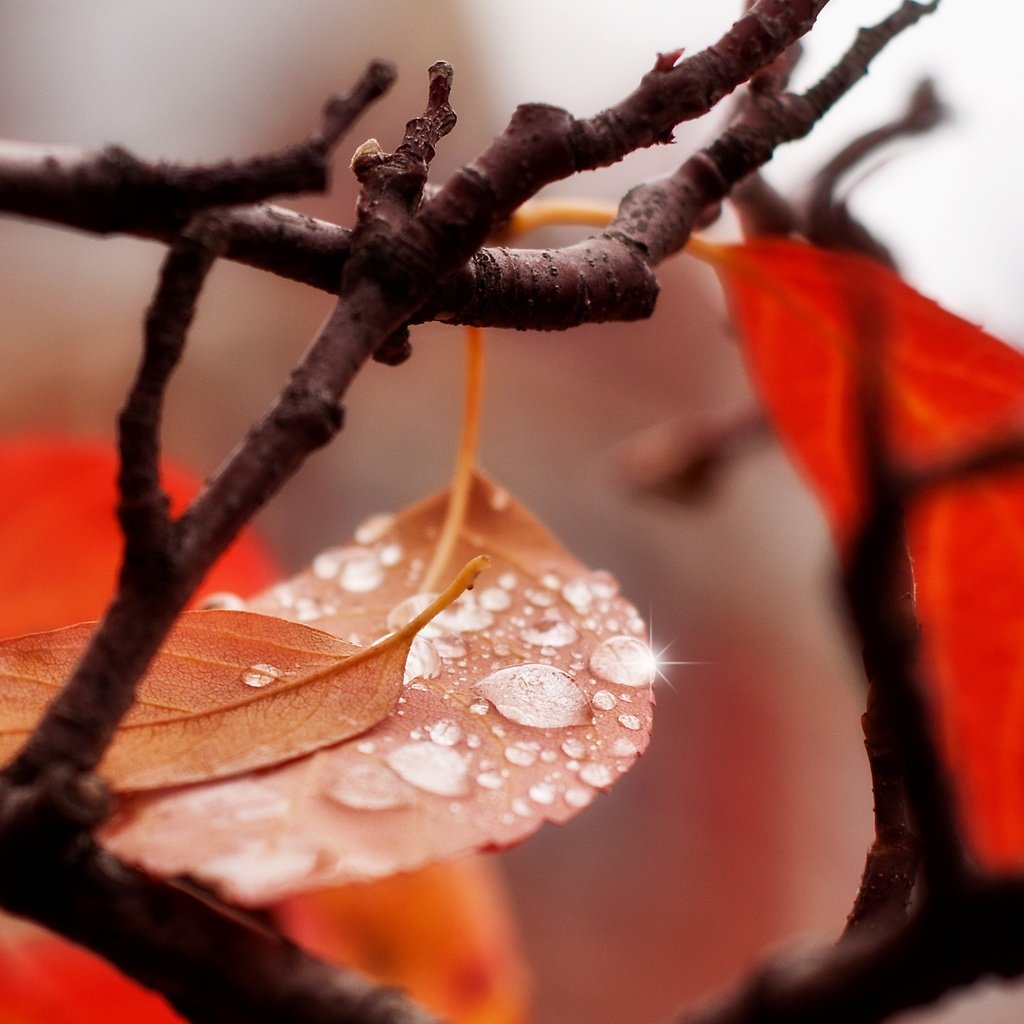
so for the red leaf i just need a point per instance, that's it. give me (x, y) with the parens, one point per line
(61, 542)
(948, 386)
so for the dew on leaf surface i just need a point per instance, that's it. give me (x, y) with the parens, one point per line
(629, 722)
(521, 754)
(550, 633)
(430, 767)
(445, 731)
(603, 700)
(260, 675)
(368, 786)
(495, 599)
(374, 528)
(595, 774)
(543, 793)
(623, 661)
(541, 696)
(222, 600)
(577, 796)
(361, 572)
(423, 661)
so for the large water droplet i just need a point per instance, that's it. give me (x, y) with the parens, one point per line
(240, 800)
(326, 565)
(432, 768)
(464, 616)
(368, 786)
(623, 661)
(550, 633)
(260, 865)
(537, 695)
(260, 675)
(604, 700)
(623, 748)
(423, 661)
(630, 722)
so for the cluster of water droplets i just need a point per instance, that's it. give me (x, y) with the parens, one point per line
(547, 668)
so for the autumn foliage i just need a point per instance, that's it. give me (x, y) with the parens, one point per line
(814, 324)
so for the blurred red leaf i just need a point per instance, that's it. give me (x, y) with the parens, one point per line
(948, 386)
(523, 699)
(59, 551)
(59, 558)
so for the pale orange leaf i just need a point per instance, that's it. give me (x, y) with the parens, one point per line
(522, 700)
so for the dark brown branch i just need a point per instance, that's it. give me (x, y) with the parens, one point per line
(214, 964)
(143, 507)
(113, 191)
(827, 220)
(869, 978)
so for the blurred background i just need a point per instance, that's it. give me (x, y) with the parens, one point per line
(745, 826)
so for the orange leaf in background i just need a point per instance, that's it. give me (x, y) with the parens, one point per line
(948, 386)
(59, 558)
(442, 932)
(524, 699)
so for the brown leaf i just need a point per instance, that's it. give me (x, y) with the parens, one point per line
(521, 701)
(229, 692)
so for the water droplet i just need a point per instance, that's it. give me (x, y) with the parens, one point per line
(373, 528)
(578, 593)
(629, 721)
(574, 747)
(542, 793)
(390, 554)
(368, 786)
(431, 768)
(537, 695)
(464, 615)
(423, 661)
(450, 646)
(540, 598)
(623, 661)
(603, 584)
(577, 796)
(445, 731)
(623, 748)
(326, 565)
(407, 609)
(550, 633)
(366, 746)
(491, 780)
(548, 756)
(223, 601)
(241, 800)
(522, 808)
(495, 599)
(499, 499)
(551, 580)
(507, 580)
(262, 866)
(360, 572)
(521, 754)
(599, 775)
(603, 700)
(479, 708)
(473, 741)
(260, 675)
